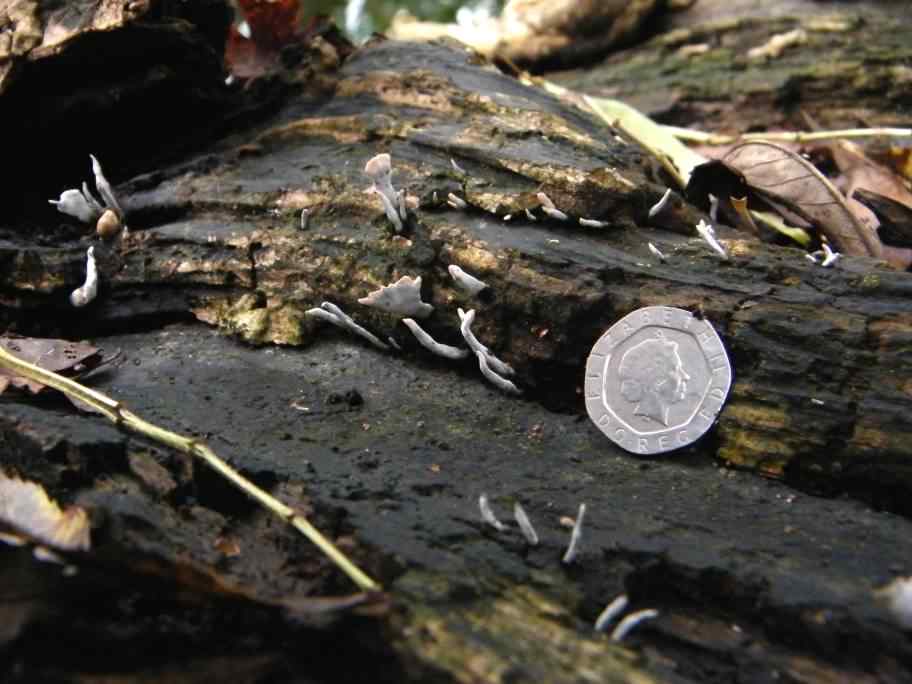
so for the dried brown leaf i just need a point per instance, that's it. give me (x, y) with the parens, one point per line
(50, 354)
(26, 507)
(788, 179)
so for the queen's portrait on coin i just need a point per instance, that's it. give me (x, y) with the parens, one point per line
(652, 377)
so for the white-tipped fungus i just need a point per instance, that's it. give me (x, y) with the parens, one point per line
(333, 314)
(709, 235)
(631, 621)
(487, 515)
(403, 210)
(593, 223)
(658, 206)
(655, 250)
(548, 207)
(469, 283)
(104, 188)
(380, 170)
(576, 536)
(89, 290)
(713, 208)
(457, 168)
(433, 345)
(456, 202)
(74, 203)
(492, 377)
(82, 205)
(467, 318)
(831, 256)
(897, 596)
(525, 525)
(402, 298)
(611, 613)
(530, 215)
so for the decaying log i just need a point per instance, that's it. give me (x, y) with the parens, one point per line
(818, 354)
(820, 357)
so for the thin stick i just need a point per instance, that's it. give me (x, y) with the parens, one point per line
(786, 136)
(115, 412)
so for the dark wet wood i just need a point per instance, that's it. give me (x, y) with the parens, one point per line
(820, 398)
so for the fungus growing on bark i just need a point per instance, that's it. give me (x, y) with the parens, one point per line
(432, 345)
(379, 169)
(402, 298)
(89, 289)
(469, 283)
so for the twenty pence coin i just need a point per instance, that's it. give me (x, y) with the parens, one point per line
(657, 379)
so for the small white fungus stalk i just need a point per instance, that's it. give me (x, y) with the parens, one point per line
(492, 377)
(469, 283)
(611, 613)
(467, 318)
(89, 290)
(379, 169)
(593, 223)
(457, 168)
(830, 257)
(713, 208)
(548, 207)
(655, 250)
(576, 536)
(403, 210)
(433, 345)
(709, 235)
(487, 515)
(104, 188)
(631, 621)
(658, 206)
(525, 525)
(456, 202)
(333, 314)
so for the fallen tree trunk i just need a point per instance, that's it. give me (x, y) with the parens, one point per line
(820, 360)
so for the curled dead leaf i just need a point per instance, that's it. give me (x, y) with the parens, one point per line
(789, 181)
(27, 508)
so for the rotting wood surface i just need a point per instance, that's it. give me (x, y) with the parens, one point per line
(819, 391)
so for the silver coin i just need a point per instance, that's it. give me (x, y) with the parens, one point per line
(657, 379)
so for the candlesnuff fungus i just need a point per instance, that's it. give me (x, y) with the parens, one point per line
(655, 250)
(333, 314)
(709, 235)
(525, 525)
(89, 290)
(433, 345)
(612, 612)
(402, 298)
(897, 596)
(494, 378)
(467, 318)
(658, 206)
(576, 536)
(456, 202)
(469, 283)
(379, 169)
(628, 623)
(82, 205)
(488, 515)
(548, 207)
